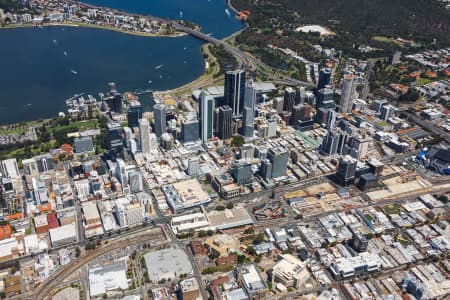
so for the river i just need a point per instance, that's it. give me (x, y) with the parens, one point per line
(41, 67)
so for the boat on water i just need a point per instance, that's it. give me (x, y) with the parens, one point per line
(185, 48)
(181, 14)
(227, 12)
(65, 53)
(159, 67)
(55, 42)
(150, 81)
(74, 72)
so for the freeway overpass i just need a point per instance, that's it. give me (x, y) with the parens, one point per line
(246, 60)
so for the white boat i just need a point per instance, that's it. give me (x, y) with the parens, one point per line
(160, 76)
(181, 14)
(55, 42)
(74, 72)
(227, 12)
(159, 67)
(65, 53)
(185, 48)
(150, 81)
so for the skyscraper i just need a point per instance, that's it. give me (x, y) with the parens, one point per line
(331, 119)
(116, 103)
(206, 116)
(144, 136)
(289, 99)
(234, 91)
(300, 93)
(189, 128)
(249, 109)
(345, 174)
(134, 113)
(159, 119)
(279, 159)
(349, 84)
(386, 112)
(115, 139)
(325, 98)
(324, 78)
(225, 118)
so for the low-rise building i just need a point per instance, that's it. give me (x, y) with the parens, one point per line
(63, 235)
(109, 277)
(289, 271)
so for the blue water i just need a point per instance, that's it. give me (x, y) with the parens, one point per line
(209, 14)
(37, 77)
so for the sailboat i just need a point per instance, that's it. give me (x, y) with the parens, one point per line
(74, 72)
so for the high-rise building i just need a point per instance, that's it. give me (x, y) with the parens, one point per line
(206, 116)
(361, 144)
(345, 174)
(386, 112)
(242, 172)
(144, 136)
(348, 93)
(331, 119)
(359, 242)
(193, 166)
(134, 113)
(278, 104)
(135, 182)
(266, 169)
(249, 109)
(324, 78)
(334, 142)
(247, 151)
(279, 159)
(300, 94)
(288, 99)
(128, 136)
(225, 122)
(159, 119)
(167, 141)
(395, 57)
(234, 91)
(325, 98)
(115, 139)
(190, 128)
(117, 103)
(248, 128)
(378, 104)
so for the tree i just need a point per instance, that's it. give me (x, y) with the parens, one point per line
(443, 199)
(257, 259)
(251, 250)
(410, 96)
(220, 207)
(77, 251)
(237, 141)
(230, 205)
(213, 254)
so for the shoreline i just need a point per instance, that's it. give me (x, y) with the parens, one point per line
(94, 26)
(205, 79)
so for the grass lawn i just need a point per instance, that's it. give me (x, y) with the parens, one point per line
(80, 125)
(392, 209)
(382, 39)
